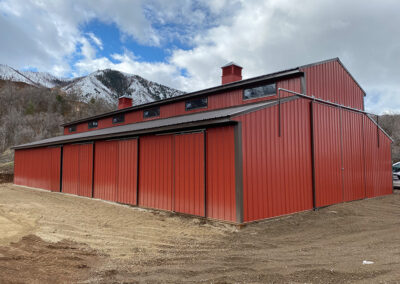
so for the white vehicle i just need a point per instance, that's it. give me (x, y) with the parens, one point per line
(396, 173)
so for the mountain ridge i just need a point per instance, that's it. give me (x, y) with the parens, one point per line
(106, 84)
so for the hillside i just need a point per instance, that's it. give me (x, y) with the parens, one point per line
(391, 124)
(29, 113)
(106, 84)
(37, 79)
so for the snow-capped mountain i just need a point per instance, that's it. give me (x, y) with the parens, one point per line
(105, 84)
(44, 79)
(110, 84)
(8, 73)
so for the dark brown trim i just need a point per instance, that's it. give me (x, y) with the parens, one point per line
(341, 151)
(189, 131)
(365, 166)
(218, 89)
(61, 167)
(313, 154)
(93, 167)
(137, 169)
(391, 165)
(238, 172)
(173, 173)
(205, 172)
(14, 167)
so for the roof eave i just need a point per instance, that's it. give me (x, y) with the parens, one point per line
(177, 127)
(230, 86)
(213, 119)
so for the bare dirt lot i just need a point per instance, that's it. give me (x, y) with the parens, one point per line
(51, 238)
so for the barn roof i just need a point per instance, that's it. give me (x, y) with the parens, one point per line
(206, 118)
(288, 73)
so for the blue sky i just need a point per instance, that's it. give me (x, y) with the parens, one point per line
(182, 44)
(115, 42)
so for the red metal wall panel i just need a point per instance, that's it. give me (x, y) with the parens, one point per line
(327, 155)
(85, 170)
(353, 156)
(220, 159)
(189, 179)
(127, 171)
(70, 174)
(156, 172)
(277, 173)
(55, 168)
(33, 167)
(78, 169)
(330, 81)
(378, 168)
(105, 170)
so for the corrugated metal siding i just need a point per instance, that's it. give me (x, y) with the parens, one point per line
(156, 172)
(378, 168)
(55, 168)
(85, 170)
(353, 156)
(189, 180)
(220, 159)
(38, 168)
(105, 170)
(348, 163)
(327, 155)
(330, 81)
(293, 84)
(127, 171)
(78, 169)
(70, 174)
(226, 99)
(277, 174)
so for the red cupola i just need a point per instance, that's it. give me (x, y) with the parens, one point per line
(231, 72)
(124, 102)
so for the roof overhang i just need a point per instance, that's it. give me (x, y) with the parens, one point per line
(218, 89)
(172, 124)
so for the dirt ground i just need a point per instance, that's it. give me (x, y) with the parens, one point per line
(56, 238)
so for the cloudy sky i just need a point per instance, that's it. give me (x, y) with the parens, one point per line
(182, 44)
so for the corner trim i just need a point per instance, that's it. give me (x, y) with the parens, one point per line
(238, 172)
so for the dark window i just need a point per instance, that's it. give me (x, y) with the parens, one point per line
(196, 103)
(151, 112)
(72, 128)
(261, 91)
(93, 124)
(118, 118)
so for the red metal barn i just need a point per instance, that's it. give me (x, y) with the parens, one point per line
(246, 150)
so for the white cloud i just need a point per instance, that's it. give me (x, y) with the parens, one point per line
(96, 40)
(262, 36)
